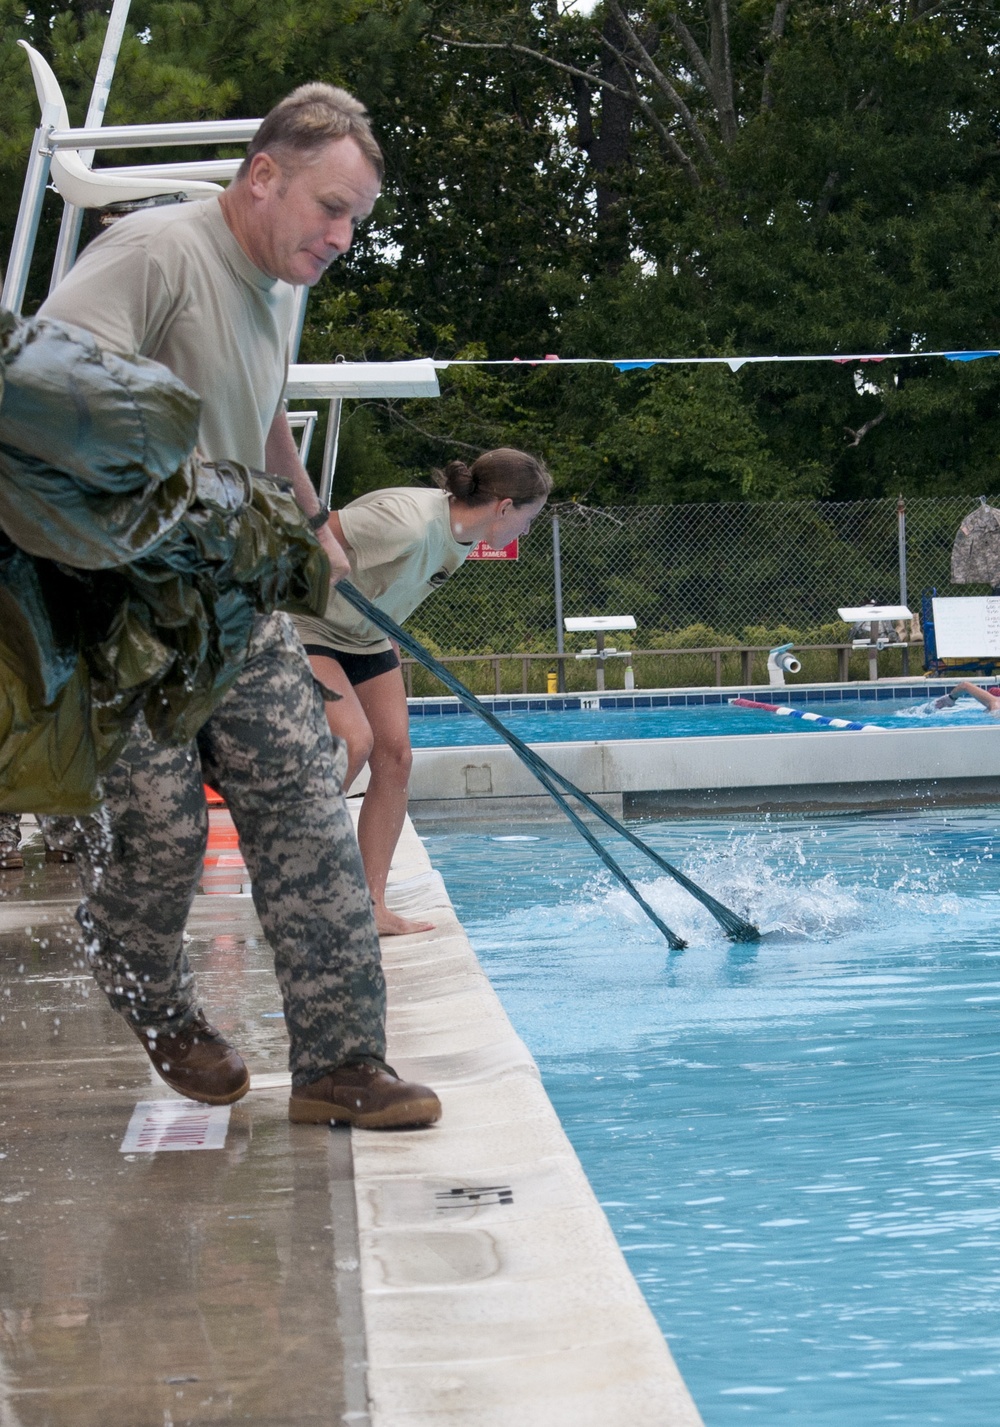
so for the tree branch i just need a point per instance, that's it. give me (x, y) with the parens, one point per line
(826, 197)
(777, 34)
(863, 431)
(396, 415)
(718, 81)
(923, 10)
(695, 55)
(511, 46)
(645, 63)
(779, 20)
(667, 139)
(722, 69)
(584, 118)
(588, 78)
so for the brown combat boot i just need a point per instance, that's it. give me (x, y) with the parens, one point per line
(370, 1096)
(11, 858)
(196, 1061)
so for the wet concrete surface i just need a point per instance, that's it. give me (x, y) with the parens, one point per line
(171, 1288)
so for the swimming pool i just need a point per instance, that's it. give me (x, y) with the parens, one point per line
(620, 719)
(797, 1145)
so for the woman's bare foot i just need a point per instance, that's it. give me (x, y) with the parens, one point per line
(390, 924)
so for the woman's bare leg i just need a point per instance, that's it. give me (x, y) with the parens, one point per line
(346, 717)
(383, 700)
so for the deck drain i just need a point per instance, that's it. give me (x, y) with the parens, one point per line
(474, 1198)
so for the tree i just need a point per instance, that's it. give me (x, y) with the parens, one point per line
(676, 177)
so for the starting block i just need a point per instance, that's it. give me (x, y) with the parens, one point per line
(600, 625)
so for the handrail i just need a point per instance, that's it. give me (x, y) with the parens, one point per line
(155, 136)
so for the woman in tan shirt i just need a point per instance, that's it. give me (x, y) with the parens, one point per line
(402, 544)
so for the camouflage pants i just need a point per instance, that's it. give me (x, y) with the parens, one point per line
(268, 750)
(10, 831)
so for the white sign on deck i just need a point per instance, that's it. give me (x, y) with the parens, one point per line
(967, 627)
(158, 1125)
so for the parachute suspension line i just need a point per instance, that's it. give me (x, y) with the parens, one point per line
(735, 927)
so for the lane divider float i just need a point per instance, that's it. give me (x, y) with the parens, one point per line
(824, 719)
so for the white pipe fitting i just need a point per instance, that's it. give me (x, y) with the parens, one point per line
(779, 663)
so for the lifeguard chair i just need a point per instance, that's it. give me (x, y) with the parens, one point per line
(65, 156)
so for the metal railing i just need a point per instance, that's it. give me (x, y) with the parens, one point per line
(752, 667)
(48, 139)
(731, 574)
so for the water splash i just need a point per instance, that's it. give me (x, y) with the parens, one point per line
(962, 714)
(771, 880)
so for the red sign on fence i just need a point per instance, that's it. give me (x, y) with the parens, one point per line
(486, 552)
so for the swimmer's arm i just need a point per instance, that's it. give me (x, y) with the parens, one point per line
(282, 456)
(989, 701)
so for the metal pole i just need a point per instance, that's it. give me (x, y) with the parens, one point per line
(901, 537)
(330, 453)
(113, 36)
(557, 581)
(298, 320)
(72, 218)
(157, 136)
(29, 214)
(69, 240)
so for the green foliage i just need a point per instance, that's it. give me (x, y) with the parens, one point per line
(678, 670)
(838, 190)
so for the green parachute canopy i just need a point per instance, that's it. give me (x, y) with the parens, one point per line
(131, 571)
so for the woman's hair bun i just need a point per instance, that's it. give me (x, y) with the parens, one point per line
(459, 479)
(456, 479)
(503, 474)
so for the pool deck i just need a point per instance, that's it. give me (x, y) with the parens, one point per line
(461, 1276)
(819, 770)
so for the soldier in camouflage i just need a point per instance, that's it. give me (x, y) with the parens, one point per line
(10, 842)
(265, 751)
(11, 856)
(210, 293)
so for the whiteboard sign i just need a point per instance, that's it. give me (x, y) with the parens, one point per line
(967, 627)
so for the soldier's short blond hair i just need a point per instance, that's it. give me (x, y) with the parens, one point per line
(308, 119)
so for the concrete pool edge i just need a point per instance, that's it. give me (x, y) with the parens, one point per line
(493, 1288)
(732, 772)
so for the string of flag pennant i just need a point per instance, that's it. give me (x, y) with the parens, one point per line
(631, 364)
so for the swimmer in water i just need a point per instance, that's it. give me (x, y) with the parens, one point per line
(989, 698)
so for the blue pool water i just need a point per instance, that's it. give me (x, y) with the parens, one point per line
(602, 725)
(797, 1144)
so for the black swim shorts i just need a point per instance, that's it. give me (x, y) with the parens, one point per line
(359, 668)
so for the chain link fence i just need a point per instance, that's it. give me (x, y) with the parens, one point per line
(705, 576)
